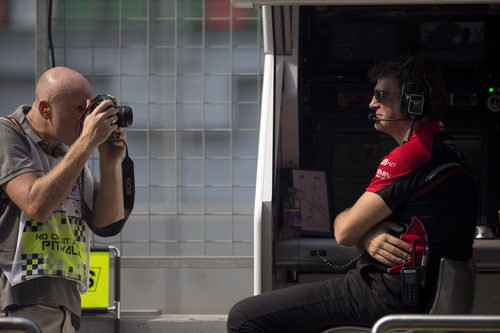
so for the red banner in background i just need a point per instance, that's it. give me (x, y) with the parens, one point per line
(3, 12)
(218, 14)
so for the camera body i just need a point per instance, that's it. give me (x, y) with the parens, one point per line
(123, 112)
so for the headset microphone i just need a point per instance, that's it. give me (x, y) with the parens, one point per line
(373, 117)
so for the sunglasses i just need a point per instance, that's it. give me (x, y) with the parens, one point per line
(380, 95)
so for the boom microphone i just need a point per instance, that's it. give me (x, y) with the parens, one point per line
(373, 117)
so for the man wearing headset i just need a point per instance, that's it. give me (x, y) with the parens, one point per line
(50, 199)
(419, 207)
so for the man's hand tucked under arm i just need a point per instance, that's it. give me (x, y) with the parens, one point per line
(384, 247)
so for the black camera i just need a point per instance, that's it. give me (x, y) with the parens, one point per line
(123, 112)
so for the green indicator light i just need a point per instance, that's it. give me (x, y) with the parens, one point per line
(491, 90)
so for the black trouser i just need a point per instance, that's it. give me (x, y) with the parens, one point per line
(355, 299)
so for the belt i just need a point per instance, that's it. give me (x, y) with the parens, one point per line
(13, 308)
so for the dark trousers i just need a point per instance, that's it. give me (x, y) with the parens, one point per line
(355, 299)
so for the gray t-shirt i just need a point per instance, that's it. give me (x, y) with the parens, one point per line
(16, 159)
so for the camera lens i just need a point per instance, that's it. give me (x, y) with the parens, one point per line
(125, 116)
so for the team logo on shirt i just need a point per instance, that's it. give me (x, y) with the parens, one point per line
(386, 162)
(383, 174)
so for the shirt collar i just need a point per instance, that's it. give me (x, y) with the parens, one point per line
(429, 128)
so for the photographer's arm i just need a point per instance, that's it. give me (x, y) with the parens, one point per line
(108, 206)
(39, 197)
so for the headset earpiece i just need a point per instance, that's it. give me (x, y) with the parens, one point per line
(412, 100)
(417, 90)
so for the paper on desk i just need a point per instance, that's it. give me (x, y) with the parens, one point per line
(313, 196)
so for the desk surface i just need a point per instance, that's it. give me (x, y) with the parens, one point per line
(292, 253)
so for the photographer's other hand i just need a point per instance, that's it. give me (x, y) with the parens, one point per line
(384, 247)
(110, 152)
(99, 124)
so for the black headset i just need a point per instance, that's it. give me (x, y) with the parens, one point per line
(416, 92)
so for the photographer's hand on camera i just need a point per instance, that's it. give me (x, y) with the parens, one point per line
(99, 124)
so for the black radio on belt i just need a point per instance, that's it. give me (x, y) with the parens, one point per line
(412, 278)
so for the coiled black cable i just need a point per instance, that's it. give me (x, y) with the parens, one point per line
(340, 268)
